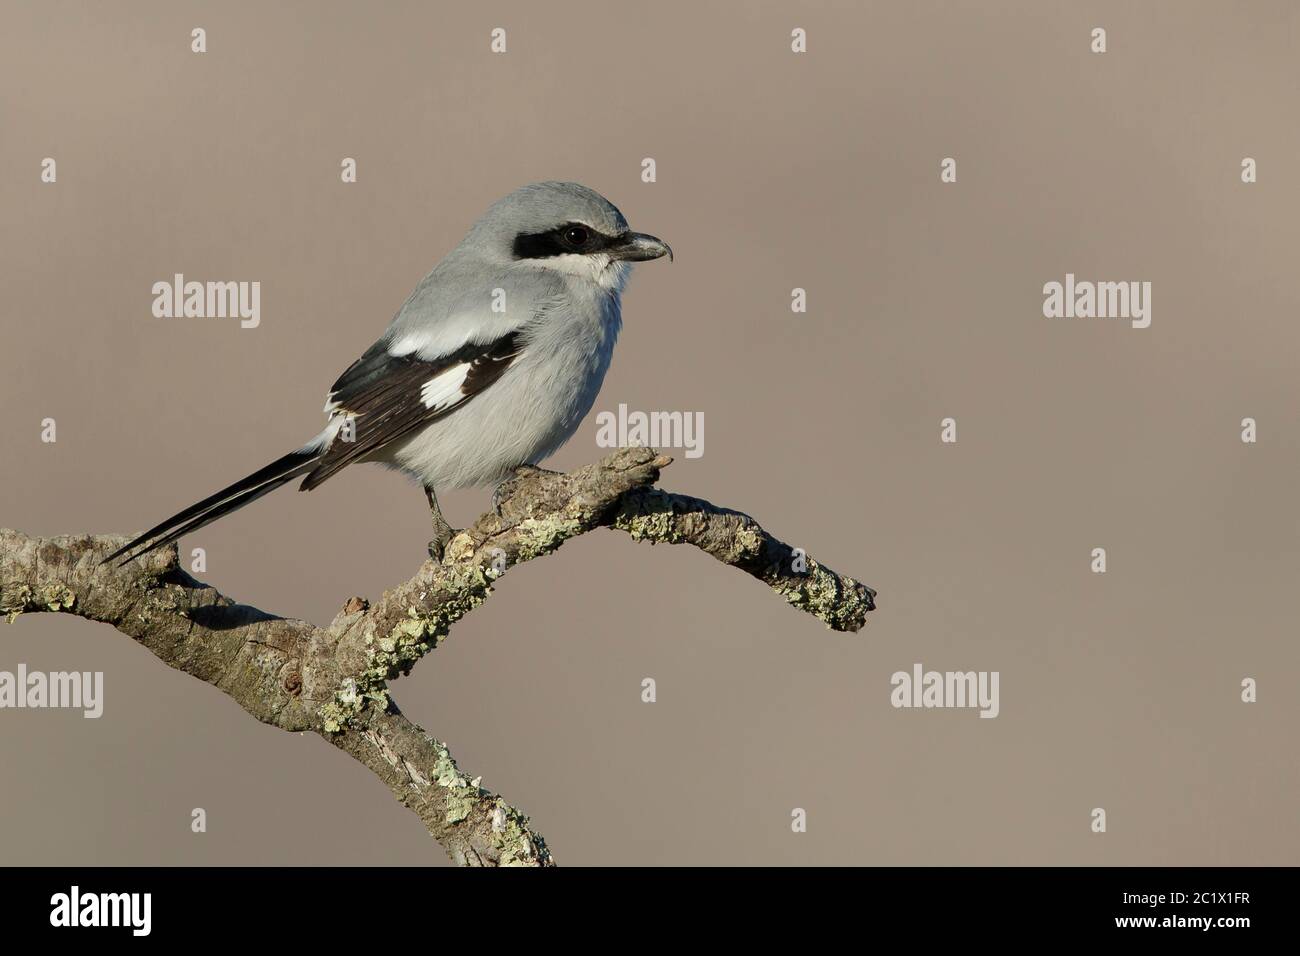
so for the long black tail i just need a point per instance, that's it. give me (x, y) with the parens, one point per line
(225, 501)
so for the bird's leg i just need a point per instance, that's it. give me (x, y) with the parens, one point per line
(442, 532)
(503, 489)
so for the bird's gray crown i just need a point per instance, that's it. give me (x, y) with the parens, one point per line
(540, 207)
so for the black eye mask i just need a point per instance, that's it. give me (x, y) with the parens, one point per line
(570, 239)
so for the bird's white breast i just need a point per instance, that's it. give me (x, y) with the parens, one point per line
(538, 402)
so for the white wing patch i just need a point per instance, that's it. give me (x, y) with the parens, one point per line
(438, 393)
(443, 390)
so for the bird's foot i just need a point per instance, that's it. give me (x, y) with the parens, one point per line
(442, 532)
(438, 546)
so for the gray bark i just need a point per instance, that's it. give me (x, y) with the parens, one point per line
(334, 680)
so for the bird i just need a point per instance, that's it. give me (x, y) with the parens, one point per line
(489, 366)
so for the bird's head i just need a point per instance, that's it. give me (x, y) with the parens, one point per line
(564, 227)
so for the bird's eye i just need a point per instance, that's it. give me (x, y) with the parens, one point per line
(576, 236)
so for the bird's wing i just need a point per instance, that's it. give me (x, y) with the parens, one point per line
(386, 396)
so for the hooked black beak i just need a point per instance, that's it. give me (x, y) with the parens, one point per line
(638, 247)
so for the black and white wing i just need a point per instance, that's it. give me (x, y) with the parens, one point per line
(388, 396)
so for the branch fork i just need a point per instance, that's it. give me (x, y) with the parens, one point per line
(334, 680)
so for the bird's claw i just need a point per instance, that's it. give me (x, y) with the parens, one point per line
(499, 495)
(438, 546)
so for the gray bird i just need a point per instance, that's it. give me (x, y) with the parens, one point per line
(491, 363)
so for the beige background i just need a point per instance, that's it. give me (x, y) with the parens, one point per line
(775, 171)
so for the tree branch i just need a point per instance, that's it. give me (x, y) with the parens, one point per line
(334, 680)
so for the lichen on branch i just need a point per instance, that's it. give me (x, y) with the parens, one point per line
(334, 680)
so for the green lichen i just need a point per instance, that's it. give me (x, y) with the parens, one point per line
(462, 792)
(445, 771)
(422, 629)
(348, 702)
(425, 624)
(59, 597)
(656, 526)
(750, 542)
(538, 536)
(510, 835)
(17, 601)
(649, 517)
(332, 717)
(52, 597)
(460, 804)
(841, 603)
